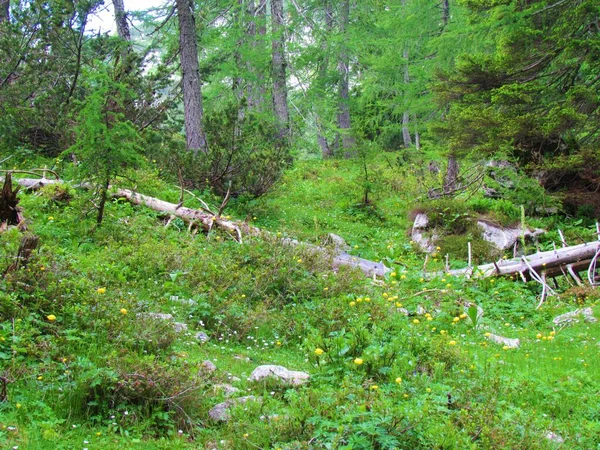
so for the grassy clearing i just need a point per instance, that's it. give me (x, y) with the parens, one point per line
(104, 375)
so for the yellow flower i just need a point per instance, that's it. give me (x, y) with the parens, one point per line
(443, 332)
(393, 274)
(550, 338)
(40, 378)
(463, 316)
(416, 321)
(429, 318)
(398, 305)
(101, 290)
(506, 347)
(367, 299)
(51, 317)
(398, 380)
(488, 334)
(452, 343)
(299, 260)
(123, 311)
(98, 433)
(358, 361)
(428, 389)
(352, 303)
(278, 343)
(456, 319)
(492, 281)
(374, 387)
(405, 395)
(403, 277)
(245, 435)
(319, 351)
(50, 218)
(552, 333)
(18, 405)
(539, 335)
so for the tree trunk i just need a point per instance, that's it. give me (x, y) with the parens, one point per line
(278, 68)
(192, 89)
(4, 10)
(451, 178)
(121, 20)
(445, 13)
(326, 149)
(343, 117)
(9, 211)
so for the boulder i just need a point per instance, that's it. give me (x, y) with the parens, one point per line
(227, 389)
(280, 373)
(207, 367)
(337, 242)
(180, 326)
(220, 412)
(418, 234)
(573, 316)
(504, 238)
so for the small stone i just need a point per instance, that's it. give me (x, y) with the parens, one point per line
(227, 389)
(179, 327)
(279, 372)
(573, 316)
(220, 412)
(158, 316)
(207, 366)
(510, 343)
(202, 337)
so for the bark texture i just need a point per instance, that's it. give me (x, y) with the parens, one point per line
(192, 90)
(451, 178)
(343, 116)
(9, 211)
(406, 116)
(121, 20)
(278, 69)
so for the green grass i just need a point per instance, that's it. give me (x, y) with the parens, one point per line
(426, 381)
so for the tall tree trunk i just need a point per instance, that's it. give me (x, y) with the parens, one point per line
(121, 20)
(451, 178)
(406, 116)
(326, 148)
(192, 89)
(343, 116)
(4, 10)
(278, 68)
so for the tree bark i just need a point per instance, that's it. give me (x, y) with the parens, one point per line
(326, 148)
(343, 116)
(192, 88)
(278, 69)
(451, 178)
(4, 10)
(445, 13)
(121, 20)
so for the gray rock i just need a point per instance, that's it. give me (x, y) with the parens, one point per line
(220, 412)
(510, 343)
(202, 337)
(573, 316)
(504, 238)
(337, 242)
(179, 327)
(207, 366)
(280, 373)
(227, 389)
(157, 316)
(403, 311)
(420, 226)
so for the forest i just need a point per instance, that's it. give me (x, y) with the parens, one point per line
(299, 224)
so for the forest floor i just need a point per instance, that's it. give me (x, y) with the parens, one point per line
(393, 363)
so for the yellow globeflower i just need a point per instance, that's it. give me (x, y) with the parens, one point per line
(374, 387)
(398, 380)
(352, 303)
(358, 361)
(123, 311)
(456, 319)
(101, 290)
(319, 351)
(539, 335)
(452, 343)
(393, 274)
(416, 321)
(463, 316)
(51, 317)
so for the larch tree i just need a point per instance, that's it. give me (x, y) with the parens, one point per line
(192, 87)
(121, 20)
(278, 69)
(343, 115)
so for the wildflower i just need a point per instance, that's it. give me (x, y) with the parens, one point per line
(278, 343)
(488, 334)
(438, 248)
(448, 285)
(398, 305)
(18, 405)
(393, 274)
(405, 395)
(319, 351)
(550, 338)
(443, 332)
(429, 318)
(443, 280)
(352, 303)
(374, 387)
(507, 324)
(463, 316)
(492, 281)
(456, 319)
(416, 321)
(403, 277)
(452, 343)
(123, 311)
(506, 347)
(299, 260)
(101, 290)
(51, 317)
(40, 378)
(428, 389)
(50, 218)
(552, 333)
(367, 299)
(398, 380)
(358, 361)
(539, 335)
(246, 435)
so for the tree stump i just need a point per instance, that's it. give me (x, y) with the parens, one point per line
(10, 213)
(28, 244)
